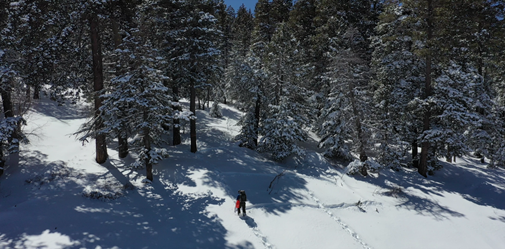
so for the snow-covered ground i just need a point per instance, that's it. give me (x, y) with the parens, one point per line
(190, 204)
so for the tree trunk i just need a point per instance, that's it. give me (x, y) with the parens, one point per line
(147, 147)
(122, 137)
(28, 92)
(2, 162)
(208, 98)
(415, 160)
(8, 107)
(425, 146)
(448, 157)
(192, 122)
(177, 128)
(7, 110)
(36, 91)
(357, 117)
(101, 146)
(7, 102)
(257, 110)
(122, 145)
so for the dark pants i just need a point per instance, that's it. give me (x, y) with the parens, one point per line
(242, 205)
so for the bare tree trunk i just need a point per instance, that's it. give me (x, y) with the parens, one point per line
(28, 92)
(7, 102)
(448, 157)
(357, 119)
(122, 137)
(425, 146)
(208, 98)
(147, 147)
(36, 91)
(2, 162)
(7, 110)
(257, 111)
(122, 145)
(177, 128)
(192, 122)
(415, 161)
(101, 146)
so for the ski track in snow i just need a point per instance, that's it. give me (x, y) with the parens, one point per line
(254, 227)
(339, 221)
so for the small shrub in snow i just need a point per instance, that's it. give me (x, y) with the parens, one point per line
(137, 165)
(360, 206)
(215, 110)
(357, 166)
(106, 192)
(54, 174)
(354, 167)
(98, 195)
(394, 192)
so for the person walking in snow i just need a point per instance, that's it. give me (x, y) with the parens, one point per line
(242, 198)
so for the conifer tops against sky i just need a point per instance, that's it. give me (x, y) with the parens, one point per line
(249, 4)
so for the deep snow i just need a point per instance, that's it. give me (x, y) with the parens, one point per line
(190, 204)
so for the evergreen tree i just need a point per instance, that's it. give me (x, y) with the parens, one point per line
(398, 75)
(242, 28)
(344, 117)
(475, 31)
(263, 25)
(286, 117)
(191, 47)
(137, 100)
(226, 18)
(454, 101)
(429, 14)
(252, 78)
(301, 22)
(140, 100)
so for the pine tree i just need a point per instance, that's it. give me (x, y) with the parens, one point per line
(252, 78)
(347, 101)
(137, 96)
(242, 28)
(301, 22)
(398, 75)
(191, 47)
(263, 25)
(441, 43)
(226, 17)
(475, 30)
(285, 119)
(16, 69)
(429, 14)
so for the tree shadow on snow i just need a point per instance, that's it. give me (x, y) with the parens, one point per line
(471, 182)
(66, 111)
(152, 216)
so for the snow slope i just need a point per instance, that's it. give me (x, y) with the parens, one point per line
(311, 204)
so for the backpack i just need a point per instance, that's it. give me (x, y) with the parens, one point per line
(243, 196)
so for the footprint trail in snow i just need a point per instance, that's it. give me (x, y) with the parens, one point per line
(340, 222)
(254, 227)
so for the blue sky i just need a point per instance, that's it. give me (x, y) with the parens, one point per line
(249, 4)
